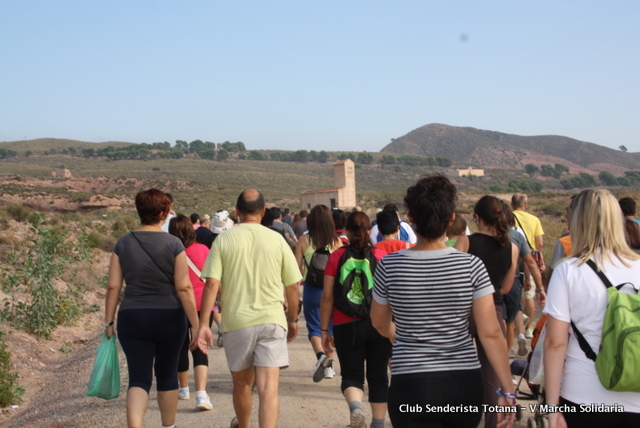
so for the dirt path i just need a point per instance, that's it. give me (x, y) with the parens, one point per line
(61, 403)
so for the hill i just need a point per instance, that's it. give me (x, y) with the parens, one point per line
(495, 149)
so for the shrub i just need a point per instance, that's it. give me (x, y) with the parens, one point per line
(123, 225)
(10, 391)
(19, 213)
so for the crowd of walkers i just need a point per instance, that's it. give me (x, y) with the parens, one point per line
(425, 300)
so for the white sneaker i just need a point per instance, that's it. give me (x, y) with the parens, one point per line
(183, 393)
(522, 345)
(203, 403)
(318, 371)
(329, 372)
(528, 333)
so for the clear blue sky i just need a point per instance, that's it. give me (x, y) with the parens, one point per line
(318, 75)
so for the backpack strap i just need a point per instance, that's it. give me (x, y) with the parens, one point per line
(584, 345)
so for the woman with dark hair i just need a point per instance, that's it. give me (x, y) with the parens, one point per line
(424, 298)
(355, 340)
(181, 227)
(321, 236)
(157, 307)
(500, 257)
(633, 234)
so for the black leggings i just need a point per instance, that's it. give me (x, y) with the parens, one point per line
(151, 341)
(358, 342)
(599, 419)
(411, 394)
(199, 359)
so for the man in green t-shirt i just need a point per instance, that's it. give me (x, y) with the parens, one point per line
(254, 268)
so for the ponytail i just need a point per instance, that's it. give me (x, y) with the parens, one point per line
(359, 226)
(492, 212)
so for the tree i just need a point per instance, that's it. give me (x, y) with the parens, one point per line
(323, 156)
(222, 155)
(623, 148)
(607, 178)
(531, 169)
(365, 158)
(443, 162)
(182, 145)
(562, 168)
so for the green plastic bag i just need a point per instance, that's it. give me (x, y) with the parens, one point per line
(105, 376)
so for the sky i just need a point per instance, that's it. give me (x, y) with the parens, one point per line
(318, 75)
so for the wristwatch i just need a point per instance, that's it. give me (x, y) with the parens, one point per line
(290, 320)
(108, 324)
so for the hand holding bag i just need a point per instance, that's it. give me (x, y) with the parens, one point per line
(105, 376)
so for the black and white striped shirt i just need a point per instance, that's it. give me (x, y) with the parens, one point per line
(430, 294)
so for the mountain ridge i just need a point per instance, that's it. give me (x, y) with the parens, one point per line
(496, 149)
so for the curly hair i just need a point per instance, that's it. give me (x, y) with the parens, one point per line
(431, 203)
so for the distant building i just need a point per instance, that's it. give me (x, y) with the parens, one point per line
(61, 173)
(465, 172)
(342, 195)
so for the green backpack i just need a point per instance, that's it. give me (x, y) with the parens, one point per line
(618, 359)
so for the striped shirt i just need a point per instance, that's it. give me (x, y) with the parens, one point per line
(430, 294)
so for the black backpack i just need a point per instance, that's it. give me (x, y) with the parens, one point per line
(315, 268)
(353, 285)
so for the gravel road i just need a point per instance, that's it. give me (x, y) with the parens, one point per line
(61, 403)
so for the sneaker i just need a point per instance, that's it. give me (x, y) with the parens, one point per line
(329, 372)
(357, 419)
(528, 333)
(522, 346)
(203, 403)
(219, 342)
(512, 354)
(183, 393)
(234, 423)
(322, 363)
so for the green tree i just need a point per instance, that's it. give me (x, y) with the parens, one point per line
(444, 162)
(623, 148)
(562, 168)
(607, 178)
(182, 145)
(222, 155)
(301, 156)
(531, 169)
(365, 158)
(323, 156)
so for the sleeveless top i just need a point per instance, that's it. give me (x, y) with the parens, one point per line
(496, 259)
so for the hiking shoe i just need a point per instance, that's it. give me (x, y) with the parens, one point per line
(522, 346)
(528, 333)
(329, 372)
(183, 393)
(219, 342)
(322, 363)
(357, 419)
(234, 423)
(203, 403)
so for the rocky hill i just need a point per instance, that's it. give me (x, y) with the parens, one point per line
(495, 149)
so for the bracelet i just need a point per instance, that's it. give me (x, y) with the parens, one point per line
(538, 290)
(501, 393)
(291, 320)
(108, 324)
(322, 329)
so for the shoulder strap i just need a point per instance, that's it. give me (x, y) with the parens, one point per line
(152, 259)
(193, 267)
(523, 231)
(584, 345)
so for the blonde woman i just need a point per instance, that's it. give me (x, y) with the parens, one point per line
(577, 294)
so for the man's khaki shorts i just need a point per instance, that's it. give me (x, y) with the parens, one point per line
(260, 346)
